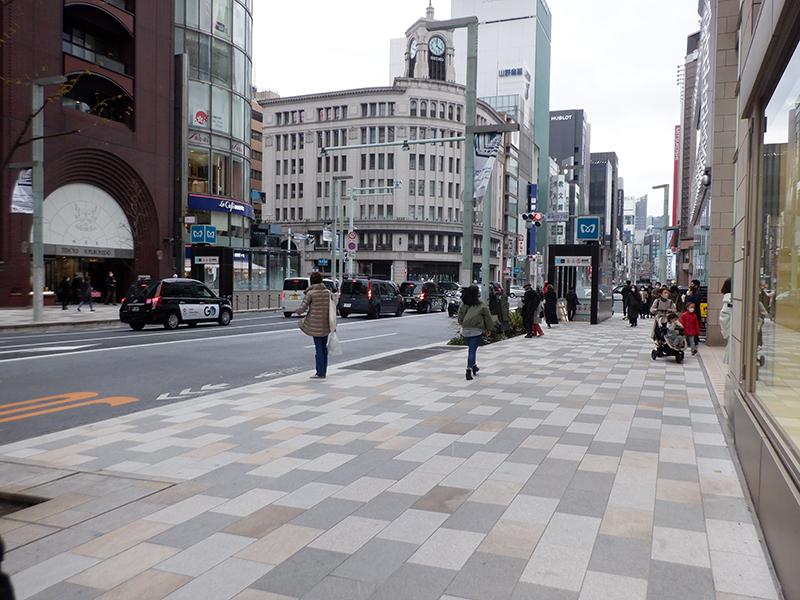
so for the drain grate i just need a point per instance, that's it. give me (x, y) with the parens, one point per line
(401, 358)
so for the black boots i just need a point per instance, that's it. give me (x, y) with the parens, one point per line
(469, 374)
(475, 369)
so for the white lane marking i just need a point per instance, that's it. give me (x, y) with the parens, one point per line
(371, 337)
(48, 349)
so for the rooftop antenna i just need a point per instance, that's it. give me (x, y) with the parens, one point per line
(429, 11)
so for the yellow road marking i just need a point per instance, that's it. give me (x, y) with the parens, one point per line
(50, 404)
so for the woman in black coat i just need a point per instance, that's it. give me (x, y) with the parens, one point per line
(634, 304)
(550, 302)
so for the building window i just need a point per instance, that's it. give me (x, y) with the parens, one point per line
(423, 109)
(256, 175)
(413, 108)
(422, 161)
(412, 213)
(421, 187)
(381, 161)
(412, 187)
(458, 114)
(450, 112)
(433, 110)
(432, 188)
(300, 166)
(390, 161)
(371, 161)
(412, 161)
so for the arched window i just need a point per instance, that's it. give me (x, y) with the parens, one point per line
(441, 111)
(423, 109)
(458, 114)
(413, 108)
(433, 110)
(450, 112)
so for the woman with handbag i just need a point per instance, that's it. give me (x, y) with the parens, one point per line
(317, 322)
(475, 320)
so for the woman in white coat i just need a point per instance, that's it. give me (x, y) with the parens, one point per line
(725, 314)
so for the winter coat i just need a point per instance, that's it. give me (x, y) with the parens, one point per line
(317, 302)
(691, 326)
(530, 303)
(661, 306)
(634, 301)
(476, 317)
(63, 290)
(6, 591)
(572, 300)
(86, 290)
(550, 302)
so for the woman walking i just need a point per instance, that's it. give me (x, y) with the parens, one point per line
(550, 303)
(634, 305)
(316, 324)
(475, 320)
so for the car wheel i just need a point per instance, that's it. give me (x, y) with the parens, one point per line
(287, 315)
(374, 312)
(444, 306)
(399, 311)
(172, 322)
(225, 318)
(343, 313)
(137, 326)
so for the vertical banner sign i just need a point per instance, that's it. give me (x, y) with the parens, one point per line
(327, 235)
(675, 188)
(22, 200)
(486, 146)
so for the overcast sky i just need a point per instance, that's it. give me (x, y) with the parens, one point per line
(616, 60)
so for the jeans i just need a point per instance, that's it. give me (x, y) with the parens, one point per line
(321, 345)
(692, 341)
(89, 302)
(472, 344)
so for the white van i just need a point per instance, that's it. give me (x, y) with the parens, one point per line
(292, 295)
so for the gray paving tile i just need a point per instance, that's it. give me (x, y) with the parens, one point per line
(529, 591)
(621, 556)
(120, 517)
(684, 421)
(679, 515)
(707, 451)
(474, 516)
(550, 430)
(194, 530)
(726, 508)
(327, 513)
(643, 445)
(592, 481)
(338, 588)
(557, 467)
(393, 469)
(606, 449)
(644, 433)
(415, 582)
(376, 560)
(546, 486)
(677, 471)
(386, 506)
(300, 573)
(67, 591)
(528, 456)
(293, 480)
(671, 581)
(589, 418)
(487, 577)
(45, 548)
(460, 450)
(577, 439)
(584, 502)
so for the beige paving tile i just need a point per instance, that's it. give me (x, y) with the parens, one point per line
(51, 507)
(497, 492)
(124, 566)
(7, 525)
(442, 499)
(646, 460)
(720, 485)
(66, 451)
(280, 544)
(599, 464)
(97, 433)
(399, 443)
(179, 492)
(676, 441)
(457, 428)
(539, 442)
(251, 594)
(381, 435)
(627, 522)
(25, 534)
(189, 425)
(678, 491)
(67, 518)
(150, 585)
(341, 438)
(512, 539)
(288, 433)
(263, 521)
(153, 485)
(117, 541)
(210, 450)
(467, 404)
(493, 426)
(265, 456)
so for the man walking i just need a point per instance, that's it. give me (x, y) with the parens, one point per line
(110, 293)
(626, 289)
(530, 304)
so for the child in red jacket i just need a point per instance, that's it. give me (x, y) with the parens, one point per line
(691, 326)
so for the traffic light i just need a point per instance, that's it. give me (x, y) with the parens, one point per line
(535, 218)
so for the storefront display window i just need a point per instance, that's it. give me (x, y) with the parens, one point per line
(777, 354)
(198, 171)
(221, 169)
(237, 179)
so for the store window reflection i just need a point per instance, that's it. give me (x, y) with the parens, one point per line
(198, 171)
(778, 290)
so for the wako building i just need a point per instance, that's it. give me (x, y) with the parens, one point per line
(414, 232)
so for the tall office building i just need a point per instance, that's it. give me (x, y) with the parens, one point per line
(570, 139)
(108, 147)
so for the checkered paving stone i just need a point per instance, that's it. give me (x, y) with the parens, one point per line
(572, 466)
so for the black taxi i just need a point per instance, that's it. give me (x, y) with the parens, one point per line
(170, 302)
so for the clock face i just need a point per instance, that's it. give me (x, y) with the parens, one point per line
(436, 46)
(412, 50)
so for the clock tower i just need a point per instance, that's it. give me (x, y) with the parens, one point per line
(429, 55)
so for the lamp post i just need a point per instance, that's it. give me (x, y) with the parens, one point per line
(37, 151)
(337, 225)
(662, 250)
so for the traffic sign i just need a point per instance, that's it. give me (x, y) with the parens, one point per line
(553, 217)
(203, 234)
(352, 235)
(588, 228)
(517, 270)
(351, 246)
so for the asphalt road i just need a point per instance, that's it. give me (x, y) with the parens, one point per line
(54, 381)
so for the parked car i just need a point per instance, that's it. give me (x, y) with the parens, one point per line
(424, 296)
(373, 297)
(516, 291)
(292, 294)
(170, 302)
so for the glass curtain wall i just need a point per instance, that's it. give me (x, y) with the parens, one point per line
(777, 353)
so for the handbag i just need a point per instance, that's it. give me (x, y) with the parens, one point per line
(332, 315)
(334, 347)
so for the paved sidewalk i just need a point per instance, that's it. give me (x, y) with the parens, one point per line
(572, 467)
(54, 317)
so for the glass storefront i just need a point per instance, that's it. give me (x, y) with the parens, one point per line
(777, 354)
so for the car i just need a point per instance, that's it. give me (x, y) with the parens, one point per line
(450, 288)
(292, 294)
(516, 291)
(171, 302)
(373, 297)
(424, 296)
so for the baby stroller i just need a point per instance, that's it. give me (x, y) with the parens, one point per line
(667, 346)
